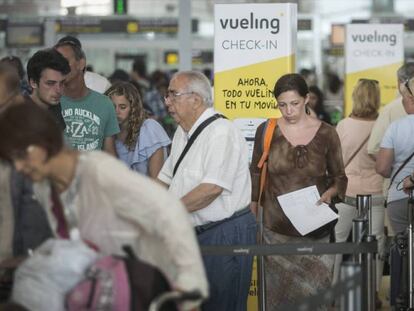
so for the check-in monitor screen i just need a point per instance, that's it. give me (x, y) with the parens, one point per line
(337, 34)
(24, 35)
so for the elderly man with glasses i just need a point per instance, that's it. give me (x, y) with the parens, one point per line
(208, 169)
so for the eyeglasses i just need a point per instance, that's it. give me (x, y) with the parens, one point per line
(407, 86)
(368, 80)
(172, 95)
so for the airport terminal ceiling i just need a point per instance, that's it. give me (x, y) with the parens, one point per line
(105, 51)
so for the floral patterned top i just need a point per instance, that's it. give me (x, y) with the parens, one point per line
(292, 168)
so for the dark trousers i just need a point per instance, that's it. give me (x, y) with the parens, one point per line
(229, 276)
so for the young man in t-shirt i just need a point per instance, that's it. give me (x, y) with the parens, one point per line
(89, 116)
(46, 72)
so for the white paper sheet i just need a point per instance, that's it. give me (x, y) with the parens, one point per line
(301, 209)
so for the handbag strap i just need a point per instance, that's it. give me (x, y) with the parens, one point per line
(267, 140)
(400, 168)
(62, 227)
(193, 137)
(356, 151)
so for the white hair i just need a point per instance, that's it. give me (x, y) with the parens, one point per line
(197, 83)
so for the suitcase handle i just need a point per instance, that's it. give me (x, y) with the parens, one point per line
(174, 296)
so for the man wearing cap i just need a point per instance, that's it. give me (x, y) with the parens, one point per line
(90, 117)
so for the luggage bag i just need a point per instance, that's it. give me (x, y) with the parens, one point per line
(401, 260)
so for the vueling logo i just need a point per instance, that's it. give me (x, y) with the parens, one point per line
(375, 37)
(251, 22)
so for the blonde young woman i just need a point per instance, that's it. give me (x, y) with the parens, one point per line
(142, 142)
(304, 152)
(354, 132)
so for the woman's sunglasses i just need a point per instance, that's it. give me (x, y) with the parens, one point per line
(407, 86)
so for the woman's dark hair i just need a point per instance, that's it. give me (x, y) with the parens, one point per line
(119, 75)
(334, 82)
(23, 125)
(319, 107)
(46, 59)
(291, 82)
(319, 104)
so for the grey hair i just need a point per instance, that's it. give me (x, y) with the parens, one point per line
(406, 72)
(77, 50)
(197, 83)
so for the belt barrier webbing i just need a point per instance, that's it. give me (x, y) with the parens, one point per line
(291, 249)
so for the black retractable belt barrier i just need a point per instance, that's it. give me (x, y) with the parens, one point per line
(290, 249)
(342, 289)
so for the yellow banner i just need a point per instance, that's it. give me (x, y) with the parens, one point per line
(247, 92)
(385, 75)
(252, 299)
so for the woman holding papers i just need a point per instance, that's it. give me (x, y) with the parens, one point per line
(354, 133)
(304, 152)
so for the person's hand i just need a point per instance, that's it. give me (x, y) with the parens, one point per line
(408, 184)
(326, 197)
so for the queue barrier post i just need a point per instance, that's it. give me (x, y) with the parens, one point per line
(369, 276)
(359, 225)
(410, 250)
(362, 232)
(351, 301)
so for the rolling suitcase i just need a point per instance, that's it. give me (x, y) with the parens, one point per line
(401, 259)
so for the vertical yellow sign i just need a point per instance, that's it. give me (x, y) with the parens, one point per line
(254, 45)
(373, 51)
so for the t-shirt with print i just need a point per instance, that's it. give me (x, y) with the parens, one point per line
(89, 120)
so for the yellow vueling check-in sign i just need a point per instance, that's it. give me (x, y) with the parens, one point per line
(254, 44)
(373, 51)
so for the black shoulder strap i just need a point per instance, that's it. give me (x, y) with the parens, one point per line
(193, 138)
(400, 168)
